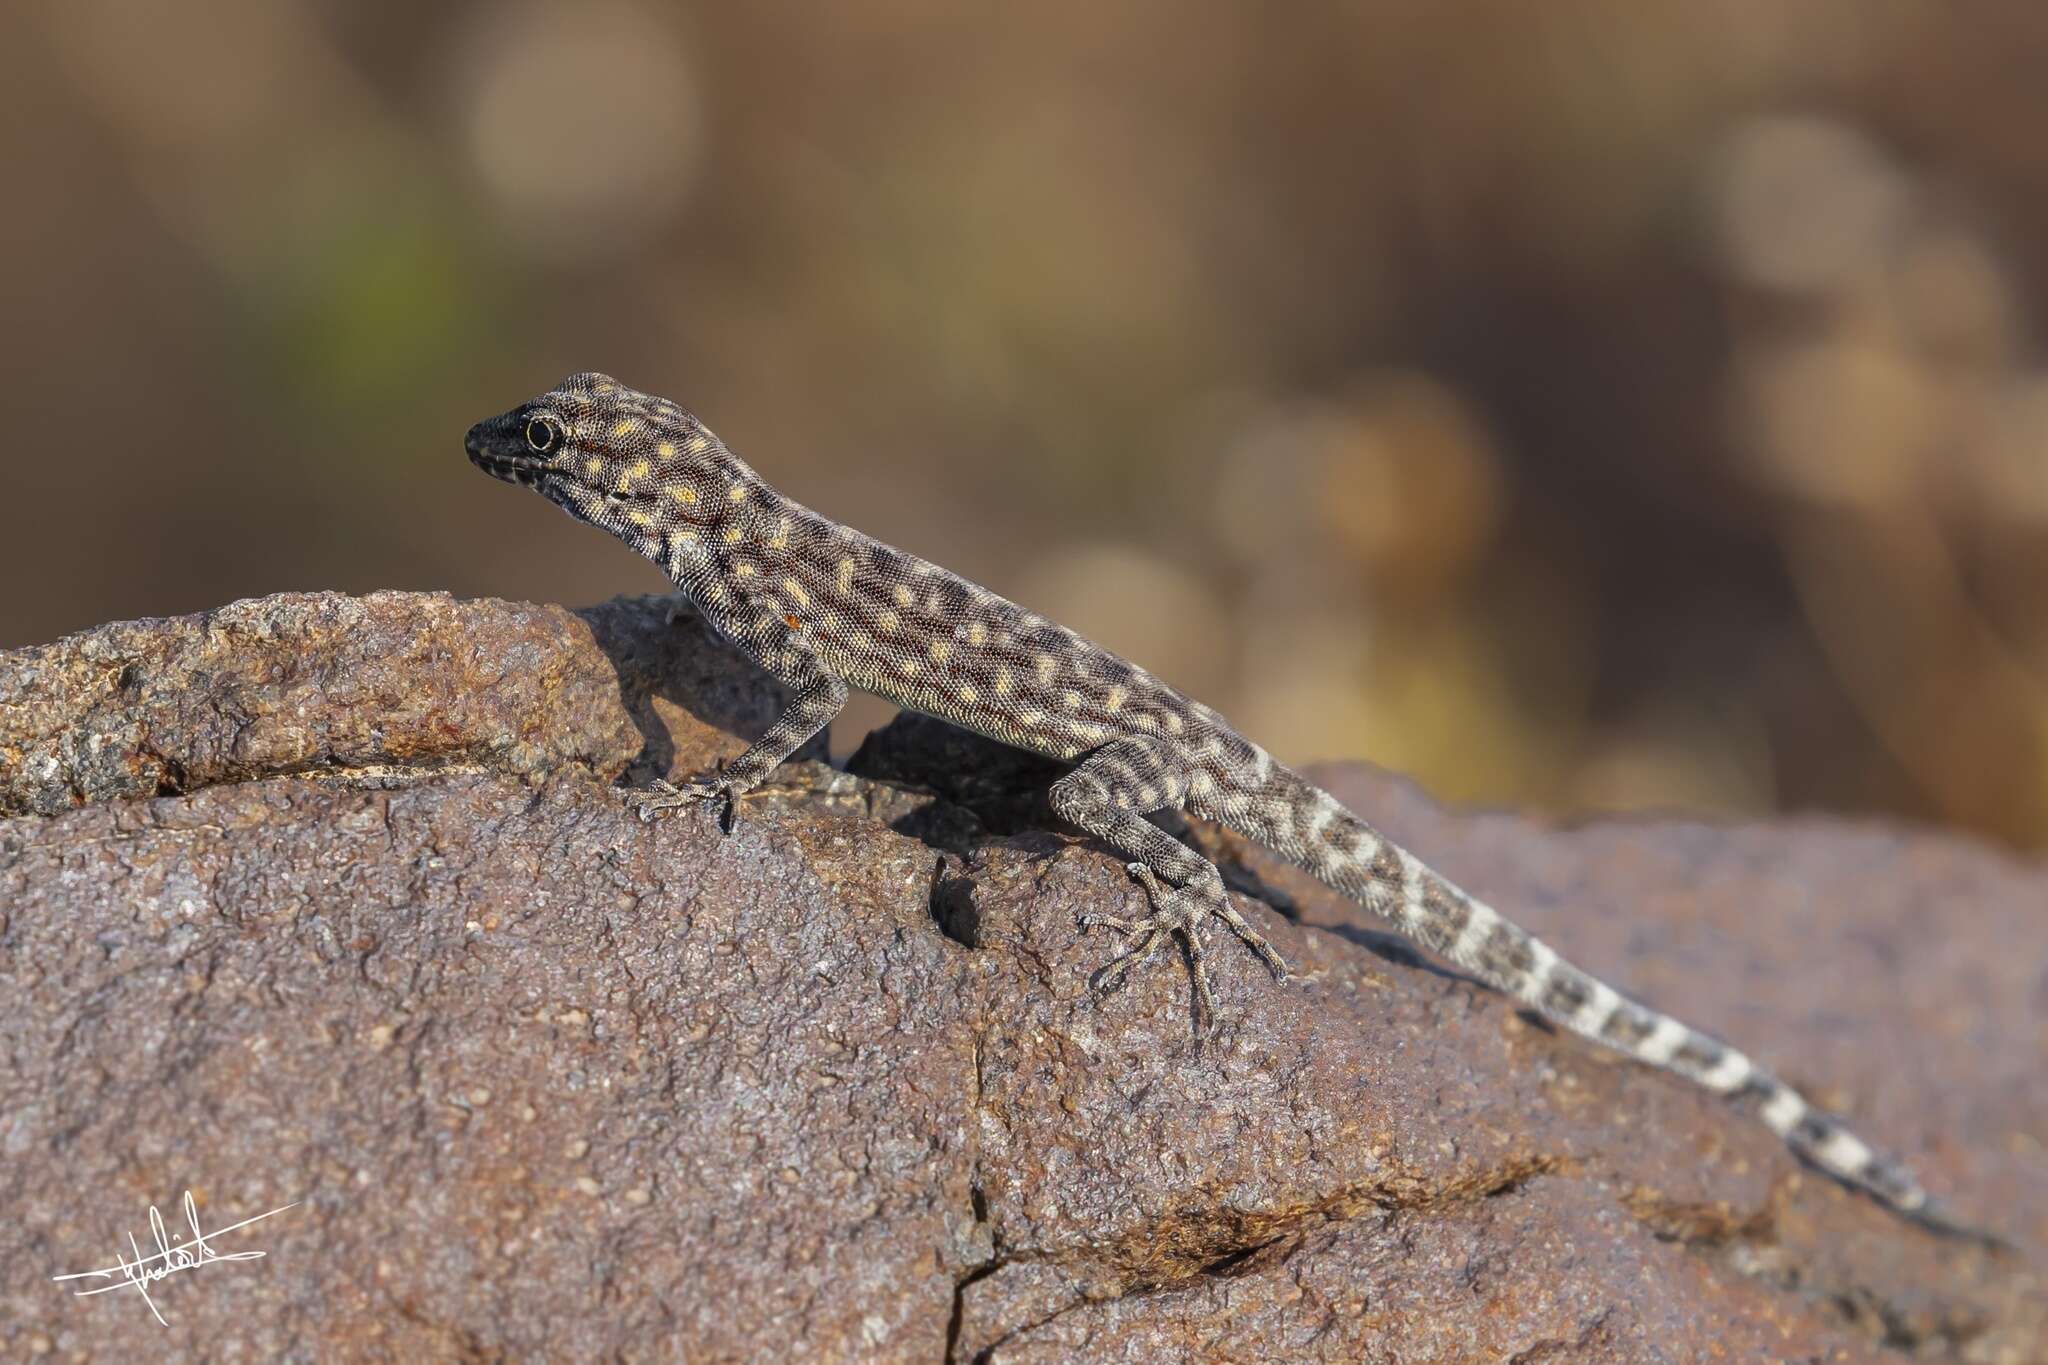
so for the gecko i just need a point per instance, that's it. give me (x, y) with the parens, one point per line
(823, 608)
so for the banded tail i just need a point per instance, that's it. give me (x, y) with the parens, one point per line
(1313, 830)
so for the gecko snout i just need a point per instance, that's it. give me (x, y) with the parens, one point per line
(479, 446)
(499, 448)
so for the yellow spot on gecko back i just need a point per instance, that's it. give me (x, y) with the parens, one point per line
(887, 620)
(639, 470)
(1003, 683)
(743, 570)
(732, 535)
(1071, 699)
(593, 467)
(940, 650)
(977, 633)
(1114, 702)
(845, 577)
(626, 426)
(667, 450)
(796, 592)
(683, 493)
(904, 597)
(1046, 666)
(738, 493)
(967, 693)
(1174, 724)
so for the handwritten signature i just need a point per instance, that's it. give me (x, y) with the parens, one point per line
(169, 1258)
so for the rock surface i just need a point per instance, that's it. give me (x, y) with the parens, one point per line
(335, 901)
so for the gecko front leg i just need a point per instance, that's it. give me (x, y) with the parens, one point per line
(817, 697)
(1108, 796)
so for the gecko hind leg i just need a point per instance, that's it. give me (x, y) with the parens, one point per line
(1104, 796)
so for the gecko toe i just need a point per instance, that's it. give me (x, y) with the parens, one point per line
(1254, 940)
(1111, 974)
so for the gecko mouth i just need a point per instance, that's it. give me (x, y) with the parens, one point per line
(556, 484)
(510, 468)
(491, 451)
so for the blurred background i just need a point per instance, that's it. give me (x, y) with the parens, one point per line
(1602, 404)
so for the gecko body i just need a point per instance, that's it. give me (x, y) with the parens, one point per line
(823, 608)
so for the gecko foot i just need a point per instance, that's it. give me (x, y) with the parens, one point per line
(668, 796)
(1178, 911)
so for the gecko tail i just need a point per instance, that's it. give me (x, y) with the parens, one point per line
(1314, 830)
(1516, 962)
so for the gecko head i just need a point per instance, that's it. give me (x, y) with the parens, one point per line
(604, 453)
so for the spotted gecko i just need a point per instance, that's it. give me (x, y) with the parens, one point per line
(823, 608)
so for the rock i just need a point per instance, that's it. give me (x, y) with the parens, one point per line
(548, 1081)
(336, 685)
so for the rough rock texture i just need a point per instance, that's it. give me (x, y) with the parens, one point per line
(323, 683)
(547, 1081)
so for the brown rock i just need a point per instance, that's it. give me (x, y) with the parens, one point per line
(548, 1081)
(352, 686)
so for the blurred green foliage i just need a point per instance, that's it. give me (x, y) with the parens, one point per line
(1583, 405)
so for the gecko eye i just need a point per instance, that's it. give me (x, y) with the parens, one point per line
(542, 435)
